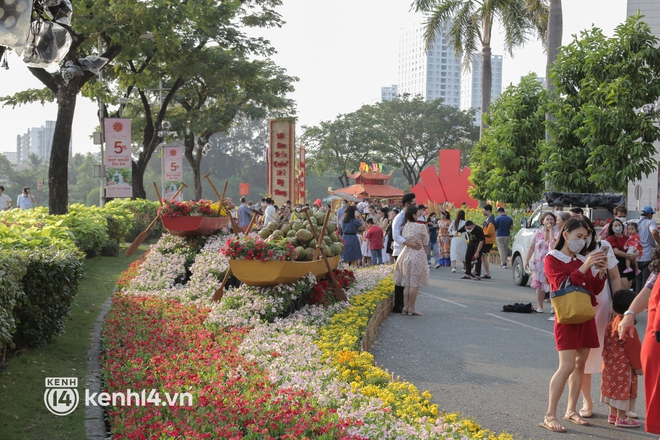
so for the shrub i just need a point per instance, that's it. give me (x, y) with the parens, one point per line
(50, 285)
(144, 211)
(110, 249)
(12, 270)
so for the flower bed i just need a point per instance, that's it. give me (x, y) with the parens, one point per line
(310, 356)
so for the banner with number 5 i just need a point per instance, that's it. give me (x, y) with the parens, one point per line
(118, 163)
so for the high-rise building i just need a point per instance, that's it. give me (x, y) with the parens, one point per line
(11, 157)
(433, 73)
(471, 85)
(388, 93)
(37, 140)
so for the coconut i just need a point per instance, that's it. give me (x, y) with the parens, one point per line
(309, 254)
(264, 233)
(285, 228)
(272, 226)
(329, 252)
(336, 248)
(331, 227)
(334, 237)
(304, 236)
(291, 233)
(301, 254)
(296, 226)
(312, 243)
(327, 240)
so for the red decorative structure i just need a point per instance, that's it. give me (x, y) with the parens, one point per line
(450, 184)
(372, 185)
(193, 226)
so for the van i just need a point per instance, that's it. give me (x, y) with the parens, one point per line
(597, 207)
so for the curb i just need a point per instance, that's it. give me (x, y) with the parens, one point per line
(95, 427)
(382, 311)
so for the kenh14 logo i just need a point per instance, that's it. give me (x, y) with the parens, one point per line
(61, 395)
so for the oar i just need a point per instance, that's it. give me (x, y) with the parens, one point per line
(141, 237)
(217, 295)
(339, 292)
(158, 194)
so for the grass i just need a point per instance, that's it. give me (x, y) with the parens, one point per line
(23, 414)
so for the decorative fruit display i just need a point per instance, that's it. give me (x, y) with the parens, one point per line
(299, 234)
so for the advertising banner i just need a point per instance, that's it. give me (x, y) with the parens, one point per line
(118, 164)
(281, 160)
(243, 189)
(173, 170)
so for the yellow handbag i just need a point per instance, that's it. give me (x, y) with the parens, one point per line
(572, 304)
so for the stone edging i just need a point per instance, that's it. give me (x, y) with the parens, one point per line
(95, 427)
(382, 311)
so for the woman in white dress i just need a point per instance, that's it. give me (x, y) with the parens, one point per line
(458, 241)
(595, 360)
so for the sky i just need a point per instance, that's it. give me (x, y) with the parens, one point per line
(343, 52)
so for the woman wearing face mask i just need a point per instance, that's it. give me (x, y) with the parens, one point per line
(562, 217)
(594, 362)
(539, 247)
(573, 340)
(617, 239)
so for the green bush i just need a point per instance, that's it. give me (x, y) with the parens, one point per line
(144, 211)
(50, 285)
(11, 272)
(110, 249)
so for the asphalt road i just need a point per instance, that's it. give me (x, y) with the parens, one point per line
(483, 363)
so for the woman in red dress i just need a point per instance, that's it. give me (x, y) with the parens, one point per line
(651, 345)
(573, 340)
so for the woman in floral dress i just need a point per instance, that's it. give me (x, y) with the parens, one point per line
(411, 269)
(444, 239)
(543, 241)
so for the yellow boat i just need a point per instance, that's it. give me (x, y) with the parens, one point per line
(272, 273)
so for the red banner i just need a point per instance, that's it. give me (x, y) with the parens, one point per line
(244, 189)
(281, 160)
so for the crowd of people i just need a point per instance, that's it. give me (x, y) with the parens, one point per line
(25, 200)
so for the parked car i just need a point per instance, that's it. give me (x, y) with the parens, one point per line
(597, 207)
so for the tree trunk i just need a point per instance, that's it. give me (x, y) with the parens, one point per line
(138, 182)
(58, 200)
(486, 84)
(195, 164)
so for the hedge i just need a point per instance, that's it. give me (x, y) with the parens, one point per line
(13, 269)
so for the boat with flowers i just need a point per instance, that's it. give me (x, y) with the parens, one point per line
(193, 218)
(273, 272)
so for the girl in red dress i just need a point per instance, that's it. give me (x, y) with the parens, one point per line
(573, 340)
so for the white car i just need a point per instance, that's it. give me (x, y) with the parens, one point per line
(529, 229)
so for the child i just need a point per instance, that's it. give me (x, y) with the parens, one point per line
(621, 366)
(374, 236)
(633, 247)
(364, 248)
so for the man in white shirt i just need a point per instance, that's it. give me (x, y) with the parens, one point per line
(363, 206)
(271, 213)
(649, 238)
(5, 201)
(408, 199)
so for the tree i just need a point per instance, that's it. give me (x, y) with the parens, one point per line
(180, 30)
(505, 162)
(212, 98)
(340, 145)
(416, 129)
(600, 140)
(469, 23)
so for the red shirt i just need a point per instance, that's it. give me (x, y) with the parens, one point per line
(617, 242)
(375, 237)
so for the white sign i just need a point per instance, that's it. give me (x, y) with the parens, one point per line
(118, 163)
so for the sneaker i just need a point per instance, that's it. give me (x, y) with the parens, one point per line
(552, 318)
(628, 270)
(453, 270)
(437, 266)
(552, 310)
(627, 423)
(539, 310)
(504, 266)
(632, 415)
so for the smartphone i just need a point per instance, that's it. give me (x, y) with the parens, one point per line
(605, 249)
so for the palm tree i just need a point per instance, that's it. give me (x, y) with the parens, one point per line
(470, 23)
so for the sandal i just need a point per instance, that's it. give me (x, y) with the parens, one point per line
(465, 277)
(415, 313)
(627, 423)
(552, 424)
(404, 311)
(486, 277)
(575, 418)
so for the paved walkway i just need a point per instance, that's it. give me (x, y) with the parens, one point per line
(481, 362)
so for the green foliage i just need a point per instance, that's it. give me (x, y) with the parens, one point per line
(12, 271)
(505, 162)
(50, 285)
(600, 141)
(143, 212)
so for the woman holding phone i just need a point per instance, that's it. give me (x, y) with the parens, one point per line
(594, 362)
(573, 340)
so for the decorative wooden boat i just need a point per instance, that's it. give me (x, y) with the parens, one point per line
(272, 273)
(191, 226)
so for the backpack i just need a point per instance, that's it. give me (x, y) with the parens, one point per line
(518, 308)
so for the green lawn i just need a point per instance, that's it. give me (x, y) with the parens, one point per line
(23, 414)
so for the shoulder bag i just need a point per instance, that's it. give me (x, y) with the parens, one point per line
(572, 304)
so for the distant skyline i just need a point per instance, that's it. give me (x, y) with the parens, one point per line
(343, 52)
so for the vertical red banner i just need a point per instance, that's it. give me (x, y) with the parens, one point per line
(302, 178)
(243, 189)
(281, 160)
